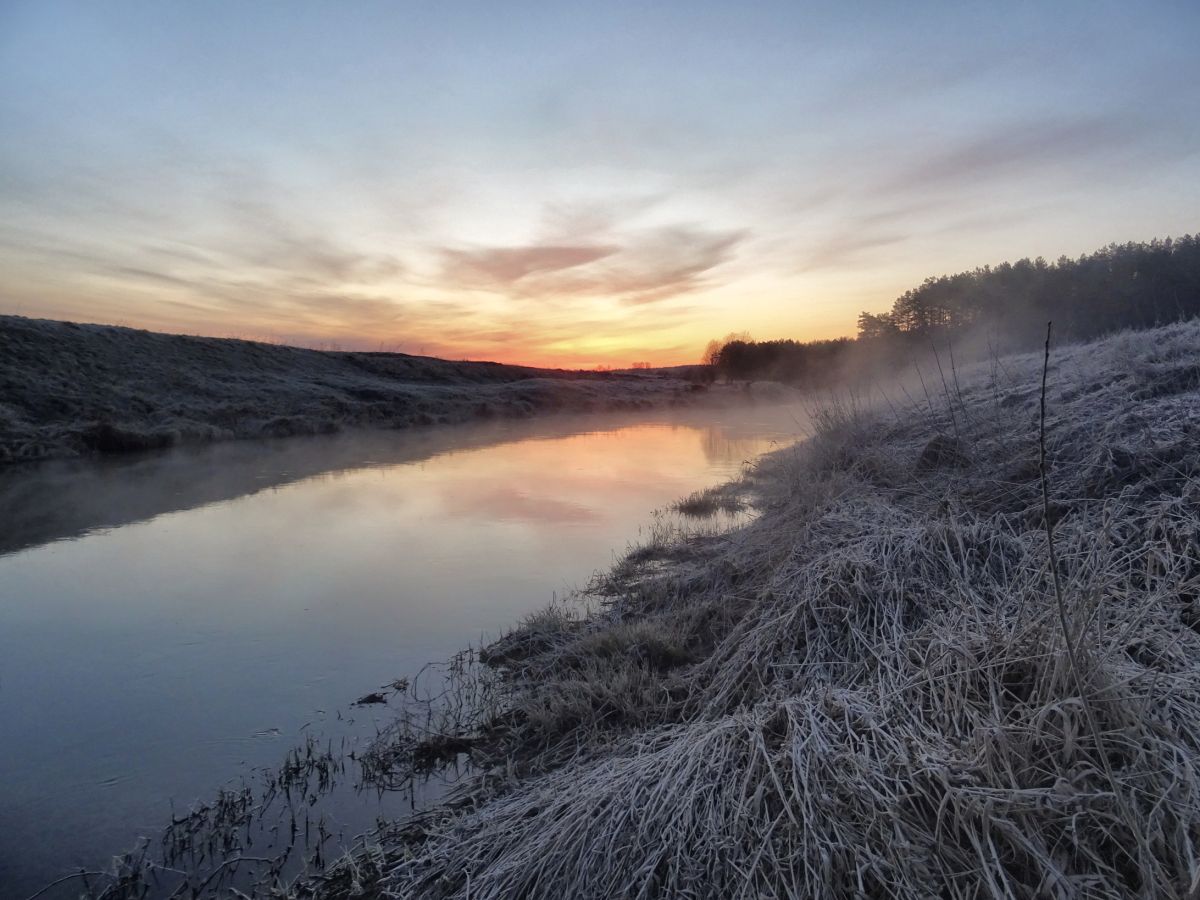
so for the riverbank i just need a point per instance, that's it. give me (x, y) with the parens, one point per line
(75, 390)
(879, 687)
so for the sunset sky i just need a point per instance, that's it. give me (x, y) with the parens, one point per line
(571, 183)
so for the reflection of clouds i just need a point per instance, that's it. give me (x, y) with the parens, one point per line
(475, 500)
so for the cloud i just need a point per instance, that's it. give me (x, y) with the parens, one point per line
(893, 75)
(919, 197)
(139, 273)
(640, 267)
(245, 240)
(578, 220)
(260, 236)
(672, 261)
(502, 267)
(1016, 148)
(244, 254)
(845, 247)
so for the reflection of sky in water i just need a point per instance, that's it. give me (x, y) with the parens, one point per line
(142, 663)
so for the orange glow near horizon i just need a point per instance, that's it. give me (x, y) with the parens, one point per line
(597, 331)
(564, 355)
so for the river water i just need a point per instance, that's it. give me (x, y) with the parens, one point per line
(168, 623)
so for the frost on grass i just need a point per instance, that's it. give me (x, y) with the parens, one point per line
(710, 502)
(69, 390)
(866, 691)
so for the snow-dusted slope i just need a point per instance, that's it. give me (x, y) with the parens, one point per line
(69, 389)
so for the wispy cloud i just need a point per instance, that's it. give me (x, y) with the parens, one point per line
(500, 268)
(260, 236)
(842, 248)
(641, 266)
(1016, 149)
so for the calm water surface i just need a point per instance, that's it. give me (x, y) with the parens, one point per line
(168, 623)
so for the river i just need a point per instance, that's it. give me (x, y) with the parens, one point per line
(171, 622)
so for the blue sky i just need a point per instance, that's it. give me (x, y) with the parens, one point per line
(571, 183)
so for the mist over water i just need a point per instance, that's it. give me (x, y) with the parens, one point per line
(170, 622)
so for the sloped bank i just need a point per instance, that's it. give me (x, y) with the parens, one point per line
(876, 688)
(73, 390)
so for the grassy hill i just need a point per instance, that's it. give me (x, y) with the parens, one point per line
(885, 685)
(68, 389)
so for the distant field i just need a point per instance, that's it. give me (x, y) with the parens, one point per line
(68, 390)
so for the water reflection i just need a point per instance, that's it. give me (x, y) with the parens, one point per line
(214, 606)
(66, 499)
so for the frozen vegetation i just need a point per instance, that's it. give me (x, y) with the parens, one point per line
(894, 681)
(875, 689)
(70, 390)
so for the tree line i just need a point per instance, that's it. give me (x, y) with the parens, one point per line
(1133, 285)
